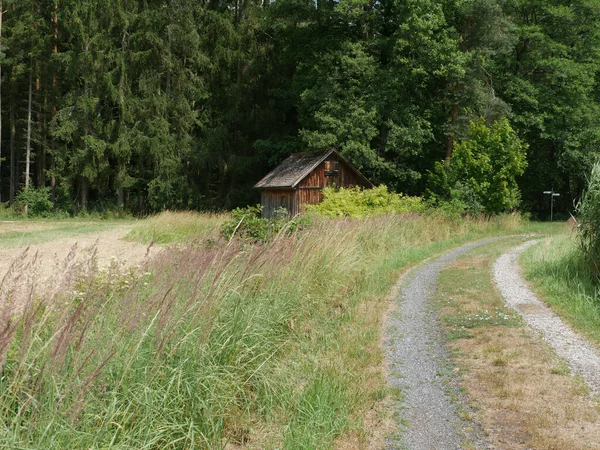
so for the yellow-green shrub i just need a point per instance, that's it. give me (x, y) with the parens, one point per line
(359, 203)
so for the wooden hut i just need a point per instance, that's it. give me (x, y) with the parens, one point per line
(300, 178)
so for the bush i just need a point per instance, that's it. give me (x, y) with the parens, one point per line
(588, 211)
(360, 203)
(37, 201)
(7, 213)
(247, 223)
(481, 175)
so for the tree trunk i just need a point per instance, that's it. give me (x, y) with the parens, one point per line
(84, 181)
(121, 197)
(13, 156)
(453, 120)
(84, 193)
(168, 88)
(141, 189)
(1, 103)
(44, 146)
(28, 154)
(38, 120)
(121, 169)
(53, 167)
(28, 151)
(52, 142)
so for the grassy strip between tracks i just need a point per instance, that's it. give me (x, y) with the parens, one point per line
(217, 344)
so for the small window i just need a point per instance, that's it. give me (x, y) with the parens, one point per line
(331, 168)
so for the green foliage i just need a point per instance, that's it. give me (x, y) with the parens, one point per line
(482, 173)
(550, 82)
(452, 208)
(184, 105)
(37, 201)
(588, 210)
(247, 223)
(321, 410)
(360, 203)
(8, 213)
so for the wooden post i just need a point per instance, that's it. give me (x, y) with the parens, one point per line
(552, 195)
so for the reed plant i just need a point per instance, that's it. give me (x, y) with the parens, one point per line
(588, 211)
(213, 345)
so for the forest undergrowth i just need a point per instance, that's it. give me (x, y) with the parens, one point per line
(216, 343)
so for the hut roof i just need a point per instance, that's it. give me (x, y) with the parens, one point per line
(297, 167)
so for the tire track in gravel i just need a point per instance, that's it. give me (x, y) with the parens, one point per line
(419, 365)
(582, 358)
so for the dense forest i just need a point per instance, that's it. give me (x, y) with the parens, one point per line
(148, 104)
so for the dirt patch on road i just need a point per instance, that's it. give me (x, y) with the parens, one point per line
(15, 226)
(107, 246)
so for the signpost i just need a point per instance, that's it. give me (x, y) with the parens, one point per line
(552, 194)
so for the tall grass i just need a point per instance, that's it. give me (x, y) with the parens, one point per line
(224, 343)
(176, 227)
(567, 281)
(588, 211)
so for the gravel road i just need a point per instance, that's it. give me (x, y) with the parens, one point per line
(582, 358)
(419, 365)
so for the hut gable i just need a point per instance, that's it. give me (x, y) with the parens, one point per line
(292, 170)
(299, 179)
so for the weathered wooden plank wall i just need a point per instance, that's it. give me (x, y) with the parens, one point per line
(306, 196)
(345, 176)
(276, 198)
